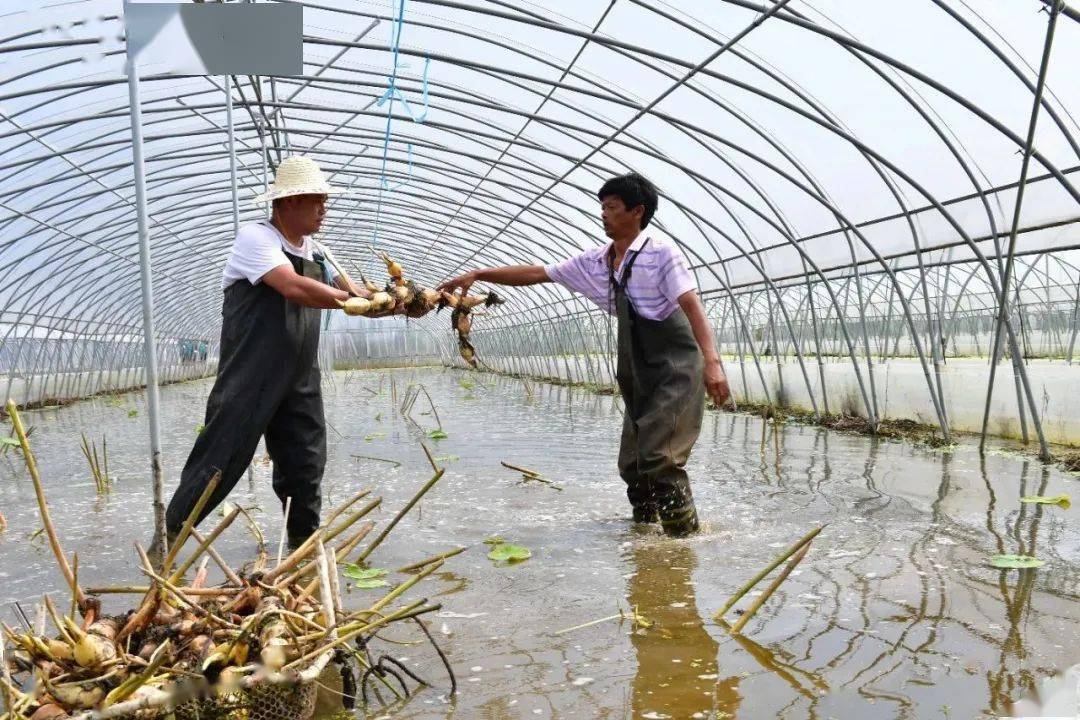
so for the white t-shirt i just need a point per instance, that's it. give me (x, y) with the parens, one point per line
(258, 249)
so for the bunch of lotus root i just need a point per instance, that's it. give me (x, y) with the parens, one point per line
(405, 296)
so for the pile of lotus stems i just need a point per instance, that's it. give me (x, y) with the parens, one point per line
(185, 639)
(405, 296)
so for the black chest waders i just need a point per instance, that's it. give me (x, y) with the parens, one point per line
(660, 375)
(268, 383)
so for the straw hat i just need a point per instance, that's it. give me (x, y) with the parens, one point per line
(298, 175)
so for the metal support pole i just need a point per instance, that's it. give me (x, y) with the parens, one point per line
(265, 168)
(1073, 325)
(232, 155)
(1003, 301)
(147, 302)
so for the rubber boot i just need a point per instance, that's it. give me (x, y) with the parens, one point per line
(646, 514)
(294, 540)
(680, 523)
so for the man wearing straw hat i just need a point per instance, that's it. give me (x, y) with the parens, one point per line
(268, 384)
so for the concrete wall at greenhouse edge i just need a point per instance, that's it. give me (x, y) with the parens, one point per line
(903, 393)
(64, 387)
(901, 389)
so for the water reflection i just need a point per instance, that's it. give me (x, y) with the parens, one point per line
(677, 674)
(895, 613)
(1011, 679)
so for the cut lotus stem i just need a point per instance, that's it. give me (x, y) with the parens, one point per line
(9, 702)
(351, 520)
(260, 539)
(201, 573)
(101, 484)
(392, 595)
(638, 620)
(293, 558)
(589, 624)
(768, 569)
(400, 589)
(55, 616)
(395, 463)
(143, 589)
(776, 443)
(125, 689)
(326, 592)
(284, 528)
(350, 543)
(763, 598)
(431, 403)
(341, 509)
(92, 461)
(203, 545)
(432, 559)
(190, 522)
(541, 480)
(216, 557)
(335, 582)
(400, 614)
(105, 457)
(43, 507)
(401, 513)
(528, 474)
(186, 601)
(305, 548)
(74, 583)
(431, 458)
(518, 468)
(340, 554)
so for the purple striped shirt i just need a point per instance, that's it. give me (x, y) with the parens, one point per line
(660, 275)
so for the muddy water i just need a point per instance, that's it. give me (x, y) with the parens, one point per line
(893, 614)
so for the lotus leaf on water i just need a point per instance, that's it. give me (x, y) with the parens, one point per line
(1062, 500)
(1015, 562)
(509, 553)
(364, 578)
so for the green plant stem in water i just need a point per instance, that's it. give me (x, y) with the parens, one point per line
(763, 598)
(768, 569)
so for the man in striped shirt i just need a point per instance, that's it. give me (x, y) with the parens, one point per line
(667, 358)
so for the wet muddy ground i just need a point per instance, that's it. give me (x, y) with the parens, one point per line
(894, 612)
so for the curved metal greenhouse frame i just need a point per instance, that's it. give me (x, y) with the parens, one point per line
(885, 183)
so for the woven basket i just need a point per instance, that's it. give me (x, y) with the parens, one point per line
(283, 696)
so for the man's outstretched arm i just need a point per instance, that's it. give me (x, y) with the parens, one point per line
(509, 275)
(304, 290)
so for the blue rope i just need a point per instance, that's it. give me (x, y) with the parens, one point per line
(388, 97)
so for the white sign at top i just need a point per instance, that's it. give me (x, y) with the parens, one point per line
(215, 38)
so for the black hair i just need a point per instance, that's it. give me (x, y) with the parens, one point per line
(633, 189)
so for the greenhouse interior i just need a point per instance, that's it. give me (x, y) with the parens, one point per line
(487, 359)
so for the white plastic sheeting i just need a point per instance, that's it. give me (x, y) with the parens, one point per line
(843, 178)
